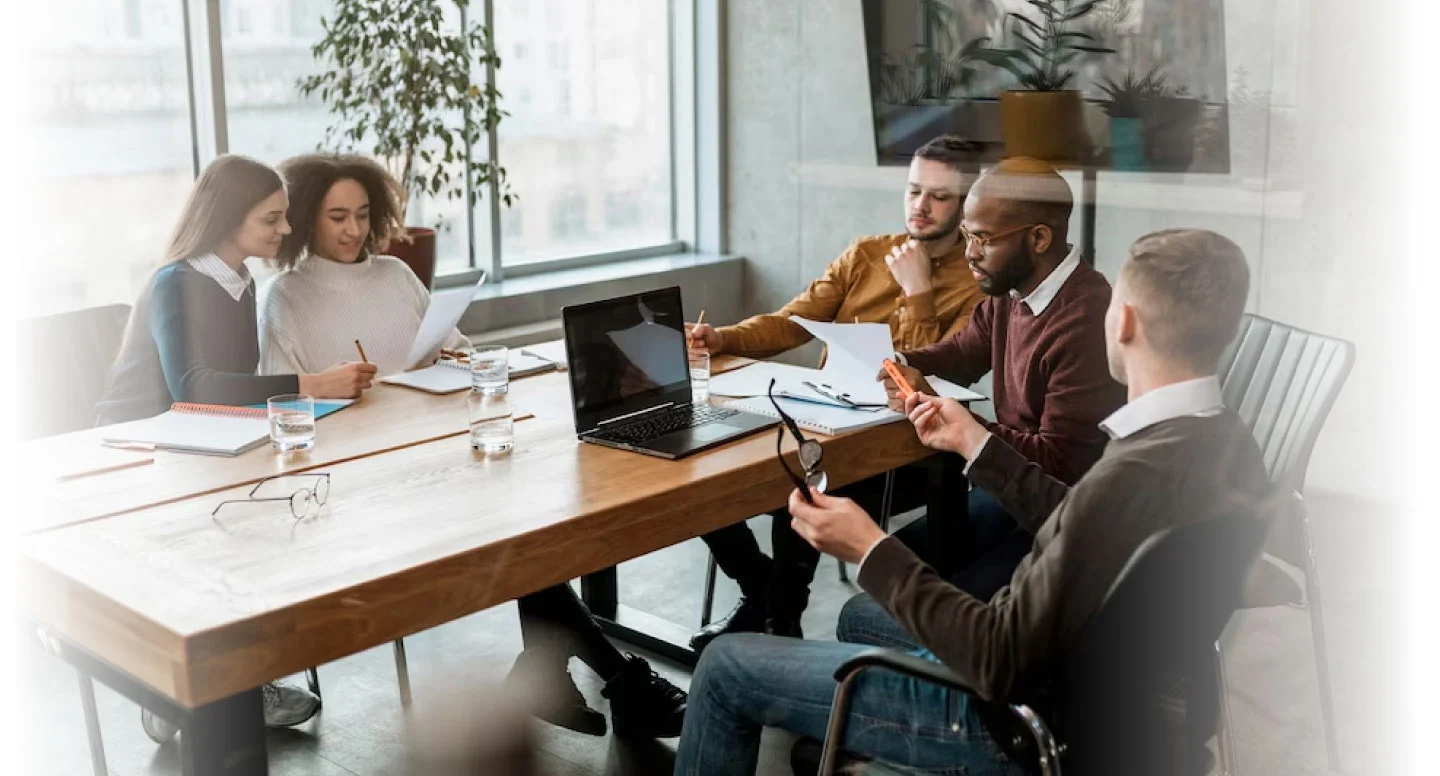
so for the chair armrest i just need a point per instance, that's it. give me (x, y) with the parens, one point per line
(902, 663)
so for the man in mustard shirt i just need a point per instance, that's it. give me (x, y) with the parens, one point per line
(919, 283)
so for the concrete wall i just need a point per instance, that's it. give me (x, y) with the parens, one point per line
(802, 179)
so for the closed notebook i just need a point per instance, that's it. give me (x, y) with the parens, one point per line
(820, 418)
(207, 429)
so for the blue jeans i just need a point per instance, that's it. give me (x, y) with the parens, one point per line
(748, 681)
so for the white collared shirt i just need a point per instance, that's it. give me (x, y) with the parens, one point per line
(211, 266)
(1200, 397)
(1044, 293)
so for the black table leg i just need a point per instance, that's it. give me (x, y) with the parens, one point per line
(600, 592)
(225, 738)
(1088, 196)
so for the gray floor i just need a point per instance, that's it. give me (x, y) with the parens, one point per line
(362, 728)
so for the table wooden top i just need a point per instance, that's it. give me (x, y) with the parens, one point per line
(389, 417)
(202, 608)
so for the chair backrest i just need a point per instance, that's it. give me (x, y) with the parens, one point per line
(1150, 644)
(64, 361)
(1282, 382)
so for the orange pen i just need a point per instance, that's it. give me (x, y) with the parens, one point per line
(900, 381)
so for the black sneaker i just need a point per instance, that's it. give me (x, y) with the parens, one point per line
(748, 616)
(642, 704)
(557, 699)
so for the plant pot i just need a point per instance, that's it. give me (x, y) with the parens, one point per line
(1127, 144)
(416, 249)
(1169, 125)
(1043, 125)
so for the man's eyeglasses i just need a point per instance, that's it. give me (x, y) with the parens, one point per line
(303, 502)
(809, 453)
(984, 240)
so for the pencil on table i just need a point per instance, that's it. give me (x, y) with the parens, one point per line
(361, 348)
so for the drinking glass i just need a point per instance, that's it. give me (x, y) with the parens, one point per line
(492, 422)
(490, 369)
(292, 422)
(699, 376)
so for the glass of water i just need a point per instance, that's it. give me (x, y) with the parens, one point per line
(490, 369)
(492, 422)
(292, 422)
(699, 376)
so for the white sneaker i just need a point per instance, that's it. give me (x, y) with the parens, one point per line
(287, 705)
(156, 728)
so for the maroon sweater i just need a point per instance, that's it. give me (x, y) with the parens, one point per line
(1052, 380)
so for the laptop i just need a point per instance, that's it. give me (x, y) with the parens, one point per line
(630, 379)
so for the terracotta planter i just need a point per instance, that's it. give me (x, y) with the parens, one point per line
(1043, 125)
(416, 249)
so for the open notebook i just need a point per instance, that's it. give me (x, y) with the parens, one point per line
(208, 429)
(820, 418)
(196, 428)
(453, 376)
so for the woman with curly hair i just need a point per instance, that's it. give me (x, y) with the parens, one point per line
(335, 286)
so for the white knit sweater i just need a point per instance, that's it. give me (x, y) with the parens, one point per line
(311, 316)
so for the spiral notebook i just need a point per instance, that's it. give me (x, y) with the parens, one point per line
(208, 429)
(820, 418)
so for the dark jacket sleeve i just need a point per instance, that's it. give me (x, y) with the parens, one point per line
(1018, 484)
(184, 334)
(1008, 646)
(964, 356)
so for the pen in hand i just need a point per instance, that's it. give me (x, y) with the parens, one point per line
(361, 348)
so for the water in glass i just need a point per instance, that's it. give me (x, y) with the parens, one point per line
(699, 376)
(492, 422)
(490, 369)
(292, 422)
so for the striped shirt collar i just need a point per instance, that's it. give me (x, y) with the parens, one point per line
(1044, 294)
(211, 266)
(1199, 398)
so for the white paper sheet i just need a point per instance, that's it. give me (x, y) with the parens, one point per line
(853, 355)
(754, 380)
(441, 318)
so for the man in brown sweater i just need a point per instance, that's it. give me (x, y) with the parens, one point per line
(920, 285)
(1176, 456)
(1040, 332)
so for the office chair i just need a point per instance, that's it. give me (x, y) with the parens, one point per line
(1156, 623)
(1282, 382)
(66, 360)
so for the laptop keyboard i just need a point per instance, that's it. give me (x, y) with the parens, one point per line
(676, 419)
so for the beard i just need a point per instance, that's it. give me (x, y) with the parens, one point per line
(1009, 276)
(937, 232)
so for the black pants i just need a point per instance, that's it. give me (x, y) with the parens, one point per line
(556, 621)
(993, 546)
(784, 583)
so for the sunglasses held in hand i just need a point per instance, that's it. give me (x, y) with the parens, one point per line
(809, 453)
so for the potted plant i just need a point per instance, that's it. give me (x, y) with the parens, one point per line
(1126, 106)
(397, 82)
(1044, 120)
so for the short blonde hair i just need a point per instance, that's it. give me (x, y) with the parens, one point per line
(1190, 287)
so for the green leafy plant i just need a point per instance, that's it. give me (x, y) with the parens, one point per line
(1127, 98)
(398, 84)
(941, 66)
(1043, 59)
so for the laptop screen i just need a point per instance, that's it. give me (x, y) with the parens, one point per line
(626, 355)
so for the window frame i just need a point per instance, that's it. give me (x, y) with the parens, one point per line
(694, 37)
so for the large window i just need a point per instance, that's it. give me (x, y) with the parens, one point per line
(588, 137)
(109, 110)
(587, 143)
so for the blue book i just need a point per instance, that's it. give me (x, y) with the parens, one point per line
(323, 407)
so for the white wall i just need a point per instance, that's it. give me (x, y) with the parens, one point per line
(802, 181)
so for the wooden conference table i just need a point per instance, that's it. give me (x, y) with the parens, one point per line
(187, 614)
